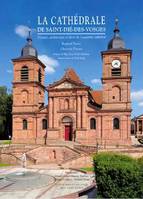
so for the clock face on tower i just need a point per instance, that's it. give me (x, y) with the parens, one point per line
(116, 63)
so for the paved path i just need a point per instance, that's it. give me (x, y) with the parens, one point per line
(65, 181)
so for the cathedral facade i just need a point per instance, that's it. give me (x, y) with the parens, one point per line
(75, 112)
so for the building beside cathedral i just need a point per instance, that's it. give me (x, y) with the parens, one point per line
(137, 126)
(75, 112)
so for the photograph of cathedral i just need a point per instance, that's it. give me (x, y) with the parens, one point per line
(71, 99)
(74, 112)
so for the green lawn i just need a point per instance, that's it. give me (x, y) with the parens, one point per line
(5, 142)
(87, 169)
(4, 164)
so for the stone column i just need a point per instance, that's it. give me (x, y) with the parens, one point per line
(138, 126)
(129, 126)
(98, 127)
(50, 112)
(55, 119)
(78, 112)
(53, 112)
(84, 117)
(81, 111)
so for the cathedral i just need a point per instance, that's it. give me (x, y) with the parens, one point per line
(75, 112)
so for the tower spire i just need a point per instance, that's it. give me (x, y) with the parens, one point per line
(29, 38)
(116, 42)
(116, 29)
(28, 49)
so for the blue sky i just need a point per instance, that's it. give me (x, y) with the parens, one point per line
(25, 12)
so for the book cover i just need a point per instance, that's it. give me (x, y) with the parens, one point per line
(71, 99)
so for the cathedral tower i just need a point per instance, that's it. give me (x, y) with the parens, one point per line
(116, 82)
(28, 92)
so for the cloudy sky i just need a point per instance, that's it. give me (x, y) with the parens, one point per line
(16, 16)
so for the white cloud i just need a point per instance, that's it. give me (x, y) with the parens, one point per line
(137, 95)
(140, 103)
(22, 30)
(9, 71)
(95, 81)
(50, 63)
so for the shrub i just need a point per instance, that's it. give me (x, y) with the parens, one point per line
(118, 176)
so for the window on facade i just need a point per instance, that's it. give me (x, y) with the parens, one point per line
(140, 125)
(39, 75)
(44, 124)
(92, 123)
(54, 154)
(116, 72)
(116, 123)
(24, 73)
(25, 124)
(66, 104)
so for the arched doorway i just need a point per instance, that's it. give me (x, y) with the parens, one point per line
(67, 121)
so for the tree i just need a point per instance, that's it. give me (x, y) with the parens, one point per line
(5, 113)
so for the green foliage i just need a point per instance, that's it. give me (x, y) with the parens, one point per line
(118, 176)
(140, 161)
(5, 113)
